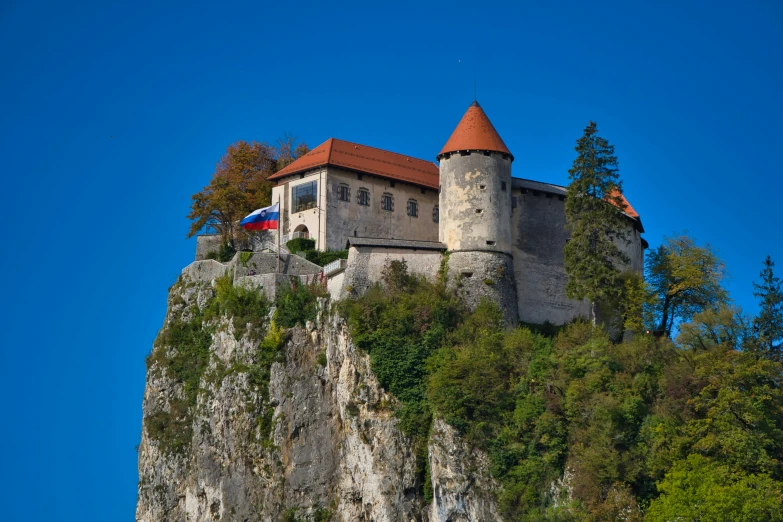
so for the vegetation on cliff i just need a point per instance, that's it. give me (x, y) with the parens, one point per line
(579, 427)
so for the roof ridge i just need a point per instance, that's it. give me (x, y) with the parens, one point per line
(329, 148)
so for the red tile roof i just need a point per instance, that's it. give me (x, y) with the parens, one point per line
(628, 208)
(361, 158)
(475, 132)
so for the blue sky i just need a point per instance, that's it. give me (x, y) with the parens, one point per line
(113, 115)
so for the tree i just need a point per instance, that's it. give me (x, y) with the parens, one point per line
(239, 185)
(594, 213)
(686, 280)
(769, 322)
(698, 488)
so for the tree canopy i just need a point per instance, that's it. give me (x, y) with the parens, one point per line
(685, 279)
(239, 185)
(594, 212)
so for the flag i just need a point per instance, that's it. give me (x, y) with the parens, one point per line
(262, 219)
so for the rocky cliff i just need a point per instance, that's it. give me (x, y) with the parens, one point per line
(247, 422)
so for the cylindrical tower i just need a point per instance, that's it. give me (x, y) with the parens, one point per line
(475, 212)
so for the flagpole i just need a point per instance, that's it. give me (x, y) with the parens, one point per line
(279, 222)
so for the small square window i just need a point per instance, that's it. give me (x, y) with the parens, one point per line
(387, 202)
(413, 208)
(503, 185)
(344, 193)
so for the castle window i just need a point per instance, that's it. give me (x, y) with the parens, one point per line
(467, 274)
(363, 197)
(413, 208)
(392, 184)
(344, 192)
(487, 153)
(503, 186)
(479, 210)
(490, 243)
(387, 202)
(482, 187)
(304, 196)
(436, 214)
(561, 198)
(524, 191)
(359, 177)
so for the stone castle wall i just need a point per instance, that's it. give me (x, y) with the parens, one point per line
(475, 201)
(478, 275)
(366, 264)
(539, 234)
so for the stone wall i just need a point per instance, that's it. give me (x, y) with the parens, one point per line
(269, 284)
(481, 275)
(475, 201)
(539, 236)
(347, 219)
(206, 244)
(262, 263)
(335, 284)
(335, 221)
(205, 271)
(366, 263)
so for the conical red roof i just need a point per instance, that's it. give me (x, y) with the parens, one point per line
(475, 132)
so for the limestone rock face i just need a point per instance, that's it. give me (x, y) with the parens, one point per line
(334, 450)
(462, 489)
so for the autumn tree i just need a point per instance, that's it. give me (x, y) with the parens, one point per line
(769, 322)
(239, 185)
(594, 213)
(686, 279)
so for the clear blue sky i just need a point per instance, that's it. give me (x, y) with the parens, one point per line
(112, 116)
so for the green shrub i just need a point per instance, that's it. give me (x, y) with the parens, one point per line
(244, 257)
(300, 244)
(181, 350)
(322, 514)
(324, 258)
(212, 254)
(246, 307)
(298, 304)
(172, 429)
(226, 252)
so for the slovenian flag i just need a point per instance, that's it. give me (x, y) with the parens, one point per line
(262, 219)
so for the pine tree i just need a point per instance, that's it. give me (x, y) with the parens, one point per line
(594, 212)
(769, 322)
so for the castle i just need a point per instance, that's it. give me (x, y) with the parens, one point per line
(504, 236)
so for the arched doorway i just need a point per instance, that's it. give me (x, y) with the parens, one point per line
(301, 231)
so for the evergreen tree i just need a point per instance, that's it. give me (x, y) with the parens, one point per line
(594, 213)
(769, 323)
